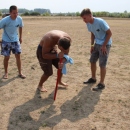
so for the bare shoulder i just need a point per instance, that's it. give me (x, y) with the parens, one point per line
(58, 33)
(51, 38)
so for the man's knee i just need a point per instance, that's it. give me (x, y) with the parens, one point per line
(17, 56)
(48, 74)
(102, 66)
(6, 58)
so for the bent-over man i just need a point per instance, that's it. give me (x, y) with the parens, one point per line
(47, 54)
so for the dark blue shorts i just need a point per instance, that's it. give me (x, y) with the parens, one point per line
(7, 47)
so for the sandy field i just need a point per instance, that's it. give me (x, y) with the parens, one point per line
(22, 107)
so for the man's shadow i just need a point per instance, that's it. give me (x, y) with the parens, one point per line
(4, 82)
(79, 107)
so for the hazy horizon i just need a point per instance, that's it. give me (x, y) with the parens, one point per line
(70, 5)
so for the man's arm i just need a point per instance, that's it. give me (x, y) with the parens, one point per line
(92, 42)
(20, 34)
(92, 39)
(46, 54)
(0, 38)
(108, 35)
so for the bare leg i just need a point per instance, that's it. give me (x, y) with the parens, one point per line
(42, 80)
(6, 59)
(18, 61)
(102, 74)
(60, 78)
(93, 70)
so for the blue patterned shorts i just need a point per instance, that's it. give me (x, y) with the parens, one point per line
(7, 47)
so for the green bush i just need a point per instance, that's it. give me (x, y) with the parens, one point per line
(35, 14)
(26, 14)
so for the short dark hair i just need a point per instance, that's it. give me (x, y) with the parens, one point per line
(13, 7)
(65, 43)
(85, 11)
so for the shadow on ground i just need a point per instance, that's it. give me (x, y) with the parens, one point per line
(4, 82)
(79, 107)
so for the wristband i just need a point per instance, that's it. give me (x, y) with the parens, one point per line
(92, 45)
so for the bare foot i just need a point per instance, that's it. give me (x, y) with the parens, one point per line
(63, 84)
(42, 89)
(5, 76)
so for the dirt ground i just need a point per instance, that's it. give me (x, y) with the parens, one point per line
(22, 107)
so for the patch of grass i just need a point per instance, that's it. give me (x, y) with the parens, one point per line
(76, 106)
(42, 112)
(108, 120)
(44, 124)
(25, 118)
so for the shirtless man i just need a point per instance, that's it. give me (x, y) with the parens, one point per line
(47, 54)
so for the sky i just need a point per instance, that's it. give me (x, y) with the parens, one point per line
(65, 6)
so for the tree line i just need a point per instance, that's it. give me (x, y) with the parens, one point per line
(47, 12)
(36, 11)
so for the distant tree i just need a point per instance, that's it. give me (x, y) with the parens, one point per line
(101, 14)
(70, 14)
(94, 14)
(0, 13)
(125, 12)
(60, 14)
(4, 11)
(26, 14)
(128, 15)
(46, 14)
(21, 11)
(35, 14)
(77, 13)
(111, 15)
(42, 11)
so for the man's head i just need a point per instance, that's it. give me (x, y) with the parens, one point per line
(13, 11)
(64, 44)
(86, 15)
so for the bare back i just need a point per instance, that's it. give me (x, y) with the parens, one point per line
(51, 38)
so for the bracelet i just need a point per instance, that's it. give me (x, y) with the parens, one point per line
(92, 45)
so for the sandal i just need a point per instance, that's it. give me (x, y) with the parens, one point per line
(5, 76)
(99, 87)
(91, 80)
(22, 76)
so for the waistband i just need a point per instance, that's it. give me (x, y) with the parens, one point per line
(39, 46)
(101, 45)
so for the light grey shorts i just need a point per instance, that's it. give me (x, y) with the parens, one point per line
(97, 54)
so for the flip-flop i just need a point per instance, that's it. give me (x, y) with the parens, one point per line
(42, 90)
(5, 76)
(22, 76)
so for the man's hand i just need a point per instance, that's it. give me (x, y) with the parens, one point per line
(103, 49)
(60, 55)
(60, 65)
(20, 40)
(92, 48)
